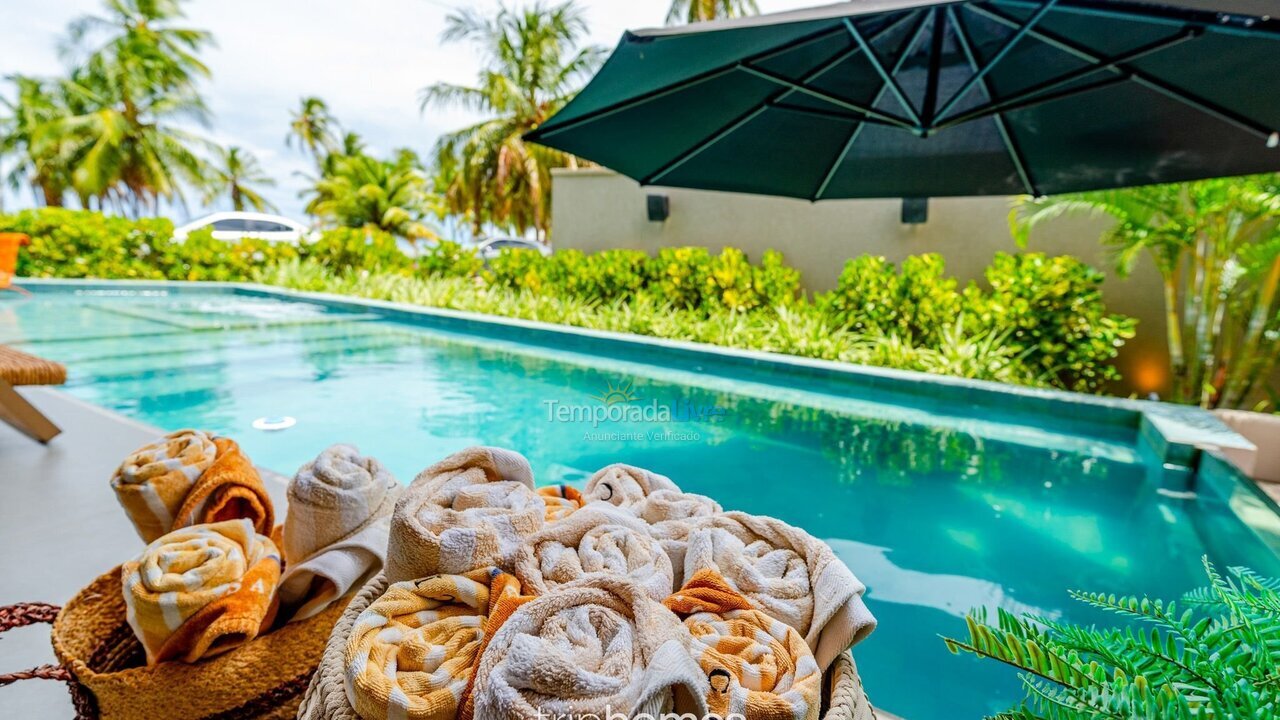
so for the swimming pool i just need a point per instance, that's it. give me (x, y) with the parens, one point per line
(940, 495)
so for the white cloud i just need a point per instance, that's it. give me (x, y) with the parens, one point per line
(367, 60)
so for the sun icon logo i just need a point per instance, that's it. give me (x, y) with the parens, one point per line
(616, 394)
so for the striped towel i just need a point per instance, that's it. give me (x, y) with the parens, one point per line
(599, 647)
(785, 572)
(561, 500)
(625, 486)
(335, 532)
(413, 652)
(190, 477)
(201, 590)
(472, 510)
(758, 668)
(599, 538)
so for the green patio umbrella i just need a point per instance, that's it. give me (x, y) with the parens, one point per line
(903, 98)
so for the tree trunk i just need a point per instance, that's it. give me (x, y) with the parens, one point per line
(1252, 363)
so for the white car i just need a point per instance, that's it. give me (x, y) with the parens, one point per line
(236, 225)
(490, 249)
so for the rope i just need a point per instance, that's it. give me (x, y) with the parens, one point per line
(24, 614)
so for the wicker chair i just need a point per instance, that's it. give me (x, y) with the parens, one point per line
(19, 368)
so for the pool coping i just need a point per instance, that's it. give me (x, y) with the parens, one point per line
(1174, 438)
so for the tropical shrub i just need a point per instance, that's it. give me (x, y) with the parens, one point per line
(449, 259)
(201, 257)
(1219, 658)
(915, 302)
(76, 244)
(1052, 311)
(357, 248)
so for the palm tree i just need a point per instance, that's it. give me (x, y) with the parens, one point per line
(692, 11)
(1216, 244)
(139, 77)
(236, 170)
(38, 163)
(313, 128)
(533, 66)
(363, 191)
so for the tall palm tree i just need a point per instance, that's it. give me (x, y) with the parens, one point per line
(313, 128)
(362, 191)
(533, 66)
(692, 11)
(138, 81)
(36, 162)
(233, 176)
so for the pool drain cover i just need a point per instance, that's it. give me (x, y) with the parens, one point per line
(284, 422)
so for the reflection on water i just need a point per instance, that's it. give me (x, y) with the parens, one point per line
(935, 515)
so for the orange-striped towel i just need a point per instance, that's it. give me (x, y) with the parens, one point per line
(413, 652)
(785, 572)
(598, 539)
(758, 668)
(561, 500)
(201, 590)
(190, 477)
(472, 510)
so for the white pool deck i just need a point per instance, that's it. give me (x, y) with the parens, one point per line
(60, 527)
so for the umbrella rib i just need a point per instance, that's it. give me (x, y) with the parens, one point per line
(915, 35)
(747, 117)
(885, 75)
(1006, 135)
(1023, 30)
(1042, 92)
(709, 75)
(1148, 81)
(827, 97)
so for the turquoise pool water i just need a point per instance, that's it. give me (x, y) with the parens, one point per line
(936, 509)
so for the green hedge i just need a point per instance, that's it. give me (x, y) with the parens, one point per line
(1037, 320)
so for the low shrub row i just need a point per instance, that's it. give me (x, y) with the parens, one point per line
(1037, 320)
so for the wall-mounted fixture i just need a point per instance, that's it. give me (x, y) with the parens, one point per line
(915, 211)
(659, 208)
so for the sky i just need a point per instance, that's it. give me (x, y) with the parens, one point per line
(367, 60)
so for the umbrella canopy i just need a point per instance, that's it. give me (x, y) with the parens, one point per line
(904, 98)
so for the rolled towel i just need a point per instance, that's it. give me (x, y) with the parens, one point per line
(598, 647)
(594, 540)
(758, 668)
(474, 509)
(413, 652)
(201, 590)
(190, 477)
(674, 506)
(335, 532)
(788, 574)
(561, 500)
(625, 486)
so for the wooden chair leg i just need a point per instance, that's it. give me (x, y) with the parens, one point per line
(15, 410)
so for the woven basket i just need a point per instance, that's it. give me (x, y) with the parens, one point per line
(105, 666)
(843, 697)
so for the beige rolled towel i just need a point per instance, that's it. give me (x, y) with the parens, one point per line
(335, 533)
(674, 505)
(598, 647)
(625, 486)
(786, 573)
(599, 538)
(474, 509)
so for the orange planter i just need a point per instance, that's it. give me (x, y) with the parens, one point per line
(9, 244)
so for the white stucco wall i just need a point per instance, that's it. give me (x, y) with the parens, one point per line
(598, 209)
